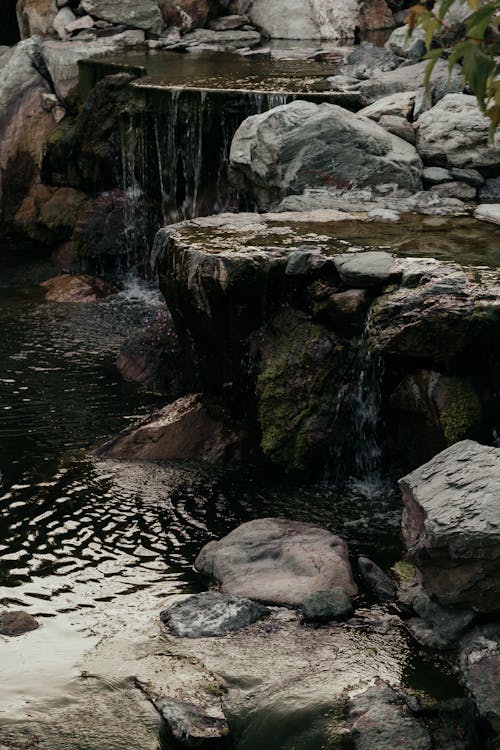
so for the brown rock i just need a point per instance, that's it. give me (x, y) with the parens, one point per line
(345, 311)
(17, 623)
(375, 15)
(79, 288)
(188, 429)
(36, 17)
(173, 10)
(49, 214)
(226, 23)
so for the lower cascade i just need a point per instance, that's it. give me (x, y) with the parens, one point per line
(250, 304)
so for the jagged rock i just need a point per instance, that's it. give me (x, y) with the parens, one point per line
(406, 78)
(49, 214)
(344, 311)
(435, 626)
(17, 623)
(325, 606)
(101, 228)
(398, 126)
(223, 39)
(490, 191)
(380, 720)
(294, 19)
(445, 320)
(36, 17)
(454, 133)
(367, 60)
(192, 725)
(136, 14)
(22, 86)
(80, 23)
(378, 582)
(61, 21)
(480, 667)
(188, 429)
(317, 145)
(488, 212)
(277, 561)
(451, 524)
(211, 614)
(365, 270)
(80, 288)
(184, 14)
(412, 47)
(454, 189)
(375, 15)
(399, 104)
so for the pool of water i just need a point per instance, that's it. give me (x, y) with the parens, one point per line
(96, 549)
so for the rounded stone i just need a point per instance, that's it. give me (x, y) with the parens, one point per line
(324, 606)
(17, 623)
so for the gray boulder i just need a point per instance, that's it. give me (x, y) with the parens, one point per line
(378, 582)
(325, 606)
(304, 145)
(451, 525)
(490, 191)
(480, 668)
(407, 78)
(294, 19)
(411, 47)
(399, 104)
(368, 59)
(193, 725)
(488, 212)
(277, 561)
(365, 270)
(454, 133)
(137, 14)
(211, 614)
(435, 626)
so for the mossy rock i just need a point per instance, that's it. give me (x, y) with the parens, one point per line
(461, 414)
(304, 370)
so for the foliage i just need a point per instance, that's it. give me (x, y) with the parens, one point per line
(476, 46)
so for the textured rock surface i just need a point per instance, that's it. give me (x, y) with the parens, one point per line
(211, 614)
(325, 606)
(294, 19)
(365, 270)
(186, 429)
(17, 623)
(49, 214)
(451, 525)
(144, 14)
(488, 212)
(381, 721)
(435, 626)
(454, 133)
(80, 288)
(303, 145)
(406, 78)
(412, 48)
(480, 666)
(378, 583)
(277, 561)
(193, 725)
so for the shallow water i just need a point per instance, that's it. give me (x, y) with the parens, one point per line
(96, 549)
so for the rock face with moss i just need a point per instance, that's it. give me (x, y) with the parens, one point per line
(451, 525)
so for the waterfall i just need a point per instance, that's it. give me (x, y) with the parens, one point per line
(366, 414)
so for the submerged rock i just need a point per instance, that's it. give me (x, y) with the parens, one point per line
(80, 288)
(211, 614)
(277, 561)
(451, 525)
(193, 725)
(317, 146)
(17, 623)
(325, 606)
(188, 429)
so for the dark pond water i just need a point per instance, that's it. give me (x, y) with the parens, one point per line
(95, 549)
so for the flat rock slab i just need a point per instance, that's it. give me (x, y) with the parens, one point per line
(451, 524)
(17, 623)
(365, 270)
(211, 614)
(488, 212)
(277, 561)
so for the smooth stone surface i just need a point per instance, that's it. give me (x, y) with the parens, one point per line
(211, 614)
(405, 78)
(381, 721)
(455, 133)
(490, 191)
(399, 126)
(325, 606)
(470, 176)
(454, 189)
(411, 46)
(488, 212)
(317, 146)
(277, 561)
(365, 270)
(294, 19)
(377, 582)
(17, 623)
(451, 525)
(399, 104)
(436, 175)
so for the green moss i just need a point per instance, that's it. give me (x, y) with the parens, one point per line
(461, 412)
(404, 571)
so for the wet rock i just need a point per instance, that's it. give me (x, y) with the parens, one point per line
(377, 582)
(277, 561)
(188, 429)
(80, 288)
(490, 191)
(400, 105)
(142, 14)
(294, 19)
(344, 311)
(317, 146)
(411, 46)
(380, 720)
(365, 270)
(211, 614)
(454, 189)
(451, 525)
(17, 623)
(153, 365)
(488, 212)
(325, 606)
(445, 319)
(454, 133)
(101, 229)
(480, 667)
(304, 370)
(192, 725)
(435, 626)
(49, 214)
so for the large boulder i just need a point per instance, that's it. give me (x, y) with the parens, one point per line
(36, 17)
(294, 19)
(455, 133)
(277, 561)
(304, 145)
(451, 524)
(137, 14)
